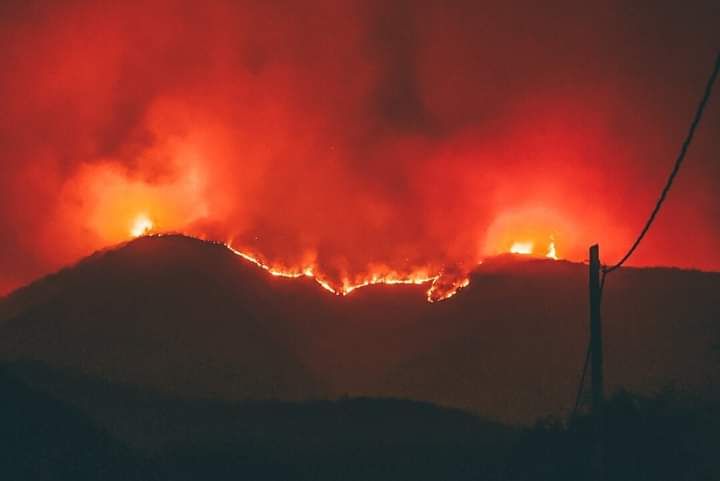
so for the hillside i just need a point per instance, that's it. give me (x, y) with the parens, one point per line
(175, 314)
(189, 318)
(131, 433)
(111, 431)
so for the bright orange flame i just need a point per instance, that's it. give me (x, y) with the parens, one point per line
(141, 225)
(530, 231)
(116, 206)
(528, 248)
(438, 290)
(522, 248)
(552, 251)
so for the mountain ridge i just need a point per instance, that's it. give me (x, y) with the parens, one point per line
(191, 318)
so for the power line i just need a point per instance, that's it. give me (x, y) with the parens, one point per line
(676, 168)
(653, 214)
(588, 351)
(581, 386)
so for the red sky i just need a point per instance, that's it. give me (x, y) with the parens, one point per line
(356, 136)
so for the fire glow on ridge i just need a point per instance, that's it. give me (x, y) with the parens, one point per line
(522, 248)
(141, 225)
(439, 290)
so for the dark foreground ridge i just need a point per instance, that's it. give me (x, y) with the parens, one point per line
(127, 433)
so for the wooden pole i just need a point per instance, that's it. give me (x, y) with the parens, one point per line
(596, 344)
(596, 351)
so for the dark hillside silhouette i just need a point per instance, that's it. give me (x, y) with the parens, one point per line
(668, 436)
(354, 439)
(45, 439)
(125, 432)
(176, 314)
(189, 318)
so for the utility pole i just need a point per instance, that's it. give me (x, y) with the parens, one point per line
(596, 347)
(596, 351)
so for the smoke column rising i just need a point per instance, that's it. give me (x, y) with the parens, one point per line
(355, 136)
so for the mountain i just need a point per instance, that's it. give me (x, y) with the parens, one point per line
(176, 314)
(514, 341)
(191, 319)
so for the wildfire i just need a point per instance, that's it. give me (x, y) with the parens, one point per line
(528, 248)
(522, 248)
(552, 252)
(440, 285)
(439, 289)
(529, 231)
(141, 226)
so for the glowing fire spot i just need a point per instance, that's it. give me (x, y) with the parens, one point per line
(551, 252)
(528, 248)
(522, 248)
(141, 225)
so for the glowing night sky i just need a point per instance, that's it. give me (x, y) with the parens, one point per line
(356, 136)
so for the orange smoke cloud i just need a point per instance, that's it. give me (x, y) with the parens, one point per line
(365, 140)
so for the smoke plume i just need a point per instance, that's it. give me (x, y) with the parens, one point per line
(355, 136)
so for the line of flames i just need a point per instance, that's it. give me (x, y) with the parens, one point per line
(441, 287)
(435, 292)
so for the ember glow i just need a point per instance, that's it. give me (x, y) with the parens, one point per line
(522, 248)
(141, 225)
(354, 142)
(528, 248)
(551, 250)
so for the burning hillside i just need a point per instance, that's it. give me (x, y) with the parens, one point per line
(190, 317)
(442, 285)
